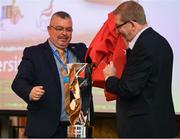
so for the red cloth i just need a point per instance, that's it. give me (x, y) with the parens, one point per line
(105, 47)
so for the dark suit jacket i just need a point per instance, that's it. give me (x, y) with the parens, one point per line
(38, 67)
(144, 105)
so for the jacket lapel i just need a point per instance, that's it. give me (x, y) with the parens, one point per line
(49, 59)
(77, 52)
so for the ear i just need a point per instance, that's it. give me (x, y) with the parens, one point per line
(134, 25)
(48, 27)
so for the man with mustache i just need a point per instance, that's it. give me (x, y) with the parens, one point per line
(40, 81)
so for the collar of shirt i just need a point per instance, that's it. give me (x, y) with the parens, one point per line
(53, 47)
(131, 44)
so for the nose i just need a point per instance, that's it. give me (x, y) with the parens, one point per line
(64, 31)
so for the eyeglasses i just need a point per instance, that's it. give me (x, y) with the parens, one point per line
(61, 29)
(119, 26)
(131, 21)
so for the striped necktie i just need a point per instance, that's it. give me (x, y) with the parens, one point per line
(65, 75)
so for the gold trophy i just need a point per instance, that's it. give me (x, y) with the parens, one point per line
(77, 99)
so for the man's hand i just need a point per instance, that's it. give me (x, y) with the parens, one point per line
(36, 93)
(109, 70)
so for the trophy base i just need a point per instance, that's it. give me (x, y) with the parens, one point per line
(79, 131)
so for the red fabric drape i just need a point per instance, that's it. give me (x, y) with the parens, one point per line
(105, 47)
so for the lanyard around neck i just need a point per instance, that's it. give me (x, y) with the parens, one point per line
(59, 59)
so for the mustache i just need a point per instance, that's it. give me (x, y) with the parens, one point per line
(63, 37)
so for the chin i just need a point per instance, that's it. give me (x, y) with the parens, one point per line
(62, 46)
